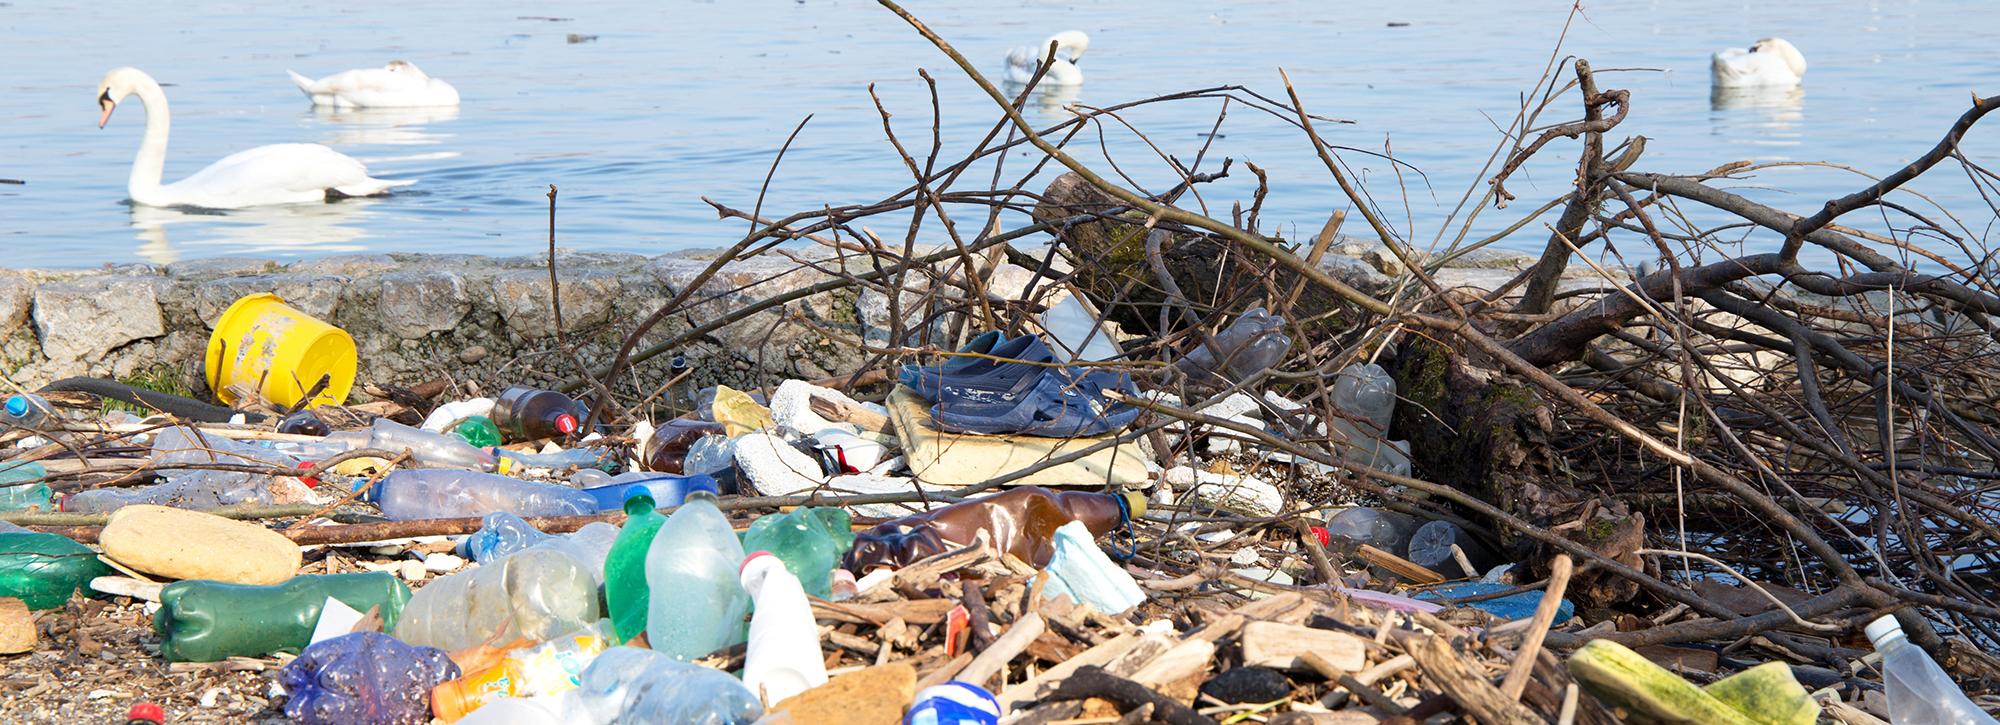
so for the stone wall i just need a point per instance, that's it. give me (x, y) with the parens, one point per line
(487, 321)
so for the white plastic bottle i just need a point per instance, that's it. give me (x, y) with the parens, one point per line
(784, 657)
(1920, 693)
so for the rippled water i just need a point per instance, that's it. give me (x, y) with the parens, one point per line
(638, 109)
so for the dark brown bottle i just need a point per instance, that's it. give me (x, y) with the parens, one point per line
(525, 414)
(1021, 521)
(668, 448)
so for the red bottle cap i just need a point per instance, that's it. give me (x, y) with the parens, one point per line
(566, 423)
(307, 466)
(1325, 539)
(145, 712)
(753, 557)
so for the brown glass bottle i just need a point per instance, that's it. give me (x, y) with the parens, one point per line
(1021, 521)
(668, 448)
(525, 414)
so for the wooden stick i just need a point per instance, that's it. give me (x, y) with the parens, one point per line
(1416, 573)
(1531, 647)
(1004, 649)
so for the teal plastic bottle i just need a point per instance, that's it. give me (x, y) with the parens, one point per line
(206, 621)
(42, 570)
(810, 541)
(625, 590)
(16, 495)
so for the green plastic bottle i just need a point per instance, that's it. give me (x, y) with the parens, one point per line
(625, 590)
(478, 430)
(42, 570)
(207, 621)
(25, 496)
(15, 473)
(810, 541)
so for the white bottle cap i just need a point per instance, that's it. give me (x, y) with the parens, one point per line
(1883, 630)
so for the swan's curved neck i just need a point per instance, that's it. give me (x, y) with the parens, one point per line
(152, 159)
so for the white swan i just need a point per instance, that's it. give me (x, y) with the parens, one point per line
(400, 84)
(276, 174)
(1770, 62)
(1023, 61)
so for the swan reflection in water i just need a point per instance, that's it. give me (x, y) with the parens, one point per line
(1758, 115)
(383, 126)
(1049, 103)
(285, 230)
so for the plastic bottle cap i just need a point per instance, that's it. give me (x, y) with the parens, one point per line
(1325, 538)
(1137, 503)
(1883, 630)
(566, 423)
(145, 711)
(307, 466)
(753, 557)
(17, 406)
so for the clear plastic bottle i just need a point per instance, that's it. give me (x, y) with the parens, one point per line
(784, 657)
(503, 534)
(1367, 392)
(363, 677)
(709, 455)
(201, 490)
(442, 493)
(603, 459)
(28, 411)
(1920, 693)
(434, 450)
(535, 595)
(1252, 343)
(626, 684)
(1431, 546)
(1387, 530)
(696, 603)
(550, 668)
(15, 495)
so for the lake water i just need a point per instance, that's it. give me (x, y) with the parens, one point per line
(638, 109)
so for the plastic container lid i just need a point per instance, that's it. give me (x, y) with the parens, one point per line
(142, 712)
(1883, 630)
(17, 405)
(566, 423)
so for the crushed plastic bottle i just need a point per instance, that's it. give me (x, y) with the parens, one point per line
(1431, 545)
(208, 621)
(709, 456)
(363, 678)
(1387, 530)
(1252, 343)
(550, 668)
(535, 595)
(441, 493)
(502, 535)
(1367, 391)
(1920, 693)
(810, 541)
(304, 422)
(625, 589)
(784, 657)
(432, 450)
(201, 488)
(18, 495)
(696, 604)
(626, 684)
(42, 570)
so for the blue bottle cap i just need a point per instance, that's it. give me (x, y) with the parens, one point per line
(17, 405)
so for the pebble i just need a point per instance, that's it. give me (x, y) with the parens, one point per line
(181, 544)
(441, 562)
(1248, 684)
(411, 570)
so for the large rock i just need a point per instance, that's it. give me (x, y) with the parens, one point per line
(16, 294)
(84, 318)
(523, 299)
(182, 544)
(316, 295)
(415, 304)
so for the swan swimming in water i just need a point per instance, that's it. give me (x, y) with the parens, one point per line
(286, 173)
(400, 84)
(1023, 61)
(1769, 62)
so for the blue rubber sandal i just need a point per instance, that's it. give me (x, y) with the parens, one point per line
(1064, 403)
(983, 379)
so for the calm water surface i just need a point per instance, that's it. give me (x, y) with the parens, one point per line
(638, 109)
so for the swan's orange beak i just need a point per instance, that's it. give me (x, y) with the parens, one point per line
(105, 102)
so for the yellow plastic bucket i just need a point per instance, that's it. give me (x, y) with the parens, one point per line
(263, 346)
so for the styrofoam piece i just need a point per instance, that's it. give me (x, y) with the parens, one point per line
(775, 467)
(791, 408)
